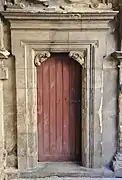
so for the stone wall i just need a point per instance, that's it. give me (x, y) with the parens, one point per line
(9, 98)
(110, 80)
(8, 149)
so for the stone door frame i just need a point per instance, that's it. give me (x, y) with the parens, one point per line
(34, 33)
(26, 95)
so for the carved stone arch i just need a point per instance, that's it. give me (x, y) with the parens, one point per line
(41, 57)
(77, 56)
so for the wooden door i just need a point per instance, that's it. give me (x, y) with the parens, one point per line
(59, 109)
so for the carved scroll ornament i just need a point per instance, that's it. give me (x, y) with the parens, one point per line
(77, 56)
(41, 57)
(92, 3)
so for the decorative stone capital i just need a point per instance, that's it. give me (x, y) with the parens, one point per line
(117, 55)
(3, 70)
(41, 57)
(77, 56)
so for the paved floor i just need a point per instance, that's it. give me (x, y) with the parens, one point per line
(67, 169)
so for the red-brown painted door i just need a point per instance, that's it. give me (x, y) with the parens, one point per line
(58, 112)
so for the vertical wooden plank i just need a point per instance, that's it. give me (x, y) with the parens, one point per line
(72, 108)
(53, 124)
(65, 107)
(78, 106)
(59, 111)
(46, 108)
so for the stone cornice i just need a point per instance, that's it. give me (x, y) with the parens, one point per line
(85, 15)
(92, 20)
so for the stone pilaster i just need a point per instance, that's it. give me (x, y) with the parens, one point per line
(3, 75)
(117, 162)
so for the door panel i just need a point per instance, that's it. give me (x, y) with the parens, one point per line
(58, 109)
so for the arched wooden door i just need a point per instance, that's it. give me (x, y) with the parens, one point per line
(59, 109)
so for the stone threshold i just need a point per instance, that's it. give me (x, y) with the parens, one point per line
(60, 170)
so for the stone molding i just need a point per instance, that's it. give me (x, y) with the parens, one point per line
(117, 161)
(41, 57)
(49, 20)
(85, 15)
(77, 56)
(27, 114)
